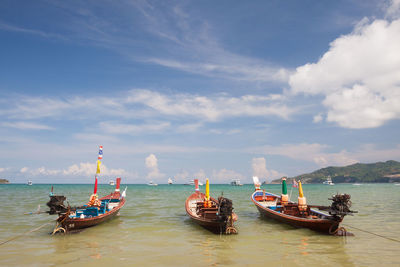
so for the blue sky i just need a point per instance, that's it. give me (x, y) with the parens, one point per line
(186, 89)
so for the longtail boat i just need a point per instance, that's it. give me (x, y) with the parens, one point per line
(96, 211)
(214, 215)
(299, 214)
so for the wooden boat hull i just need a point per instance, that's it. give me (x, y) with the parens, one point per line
(71, 224)
(209, 224)
(317, 221)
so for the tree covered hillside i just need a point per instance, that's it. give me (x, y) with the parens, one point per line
(380, 172)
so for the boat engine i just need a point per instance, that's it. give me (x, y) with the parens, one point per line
(225, 208)
(225, 215)
(341, 205)
(56, 205)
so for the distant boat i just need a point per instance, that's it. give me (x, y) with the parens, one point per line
(236, 182)
(152, 184)
(356, 184)
(169, 181)
(191, 182)
(29, 182)
(328, 181)
(111, 182)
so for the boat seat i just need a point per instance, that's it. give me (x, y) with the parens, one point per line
(209, 209)
(210, 214)
(92, 211)
(102, 208)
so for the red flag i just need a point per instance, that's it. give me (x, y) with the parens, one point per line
(295, 184)
(95, 187)
(118, 184)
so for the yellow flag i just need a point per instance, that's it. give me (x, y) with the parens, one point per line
(300, 190)
(98, 167)
(207, 189)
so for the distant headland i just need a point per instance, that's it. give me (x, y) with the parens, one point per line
(379, 172)
(4, 181)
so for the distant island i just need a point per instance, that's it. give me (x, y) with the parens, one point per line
(379, 172)
(4, 181)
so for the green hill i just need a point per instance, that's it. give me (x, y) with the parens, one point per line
(380, 172)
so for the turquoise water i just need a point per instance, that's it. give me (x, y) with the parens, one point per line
(153, 230)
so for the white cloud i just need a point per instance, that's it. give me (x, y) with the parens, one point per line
(13, 28)
(95, 138)
(372, 153)
(224, 176)
(189, 127)
(359, 76)
(2, 169)
(182, 177)
(259, 166)
(152, 166)
(393, 9)
(238, 68)
(201, 175)
(310, 152)
(44, 171)
(318, 118)
(212, 108)
(27, 125)
(89, 169)
(79, 170)
(144, 104)
(123, 128)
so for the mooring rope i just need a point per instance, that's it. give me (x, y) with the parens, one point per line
(18, 236)
(382, 236)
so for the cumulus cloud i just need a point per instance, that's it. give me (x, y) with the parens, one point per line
(44, 171)
(359, 76)
(225, 176)
(318, 118)
(201, 175)
(79, 170)
(310, 152)
(393, 9)
(259, 166)
(182, 176)
(152, 166)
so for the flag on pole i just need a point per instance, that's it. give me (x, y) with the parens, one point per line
(100, 153)
(295, 184)
(98, 167)
(99, 158)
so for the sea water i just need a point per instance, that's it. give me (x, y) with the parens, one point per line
(153, 230)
